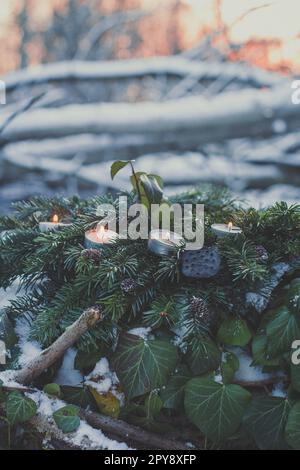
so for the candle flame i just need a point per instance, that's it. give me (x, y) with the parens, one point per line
(230, 226)
(55, 219)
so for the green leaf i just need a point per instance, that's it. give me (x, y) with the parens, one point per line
(153, 405)
(292, 430)
(266, 419)
(229, 366)
(118, 166)
(282, 331)
(217, 410)
(295, 376)
(86, 361)
(293, 296)
(203, 355)
(152, 188)
(67, 418)
(19, 409)
(53, 390)
(172, 394)
(260, 352)
(234, 332)
(77, 396)
(143, 365)
(7, 331)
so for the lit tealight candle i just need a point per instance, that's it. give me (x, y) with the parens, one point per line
(99, 237)
(226, 230)
(164, 243)
(53, 225)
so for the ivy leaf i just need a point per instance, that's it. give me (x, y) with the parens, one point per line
(118, 166)
(266, 419)
(77, 396)
(282, 331)
(86, 361)
(229, 366)
(107, 403)
(153, 405)
(292, 430)
(172, 394)
(293, 295)
(143, 365)
(53, 390)
(7, 331)
(234, 332)
(217, 410)
(19, 409)
(203, 355)
(67, 418)
(260, 352)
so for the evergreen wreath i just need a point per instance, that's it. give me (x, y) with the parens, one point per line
(198, 335)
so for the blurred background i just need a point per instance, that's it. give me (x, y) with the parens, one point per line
(198, 91)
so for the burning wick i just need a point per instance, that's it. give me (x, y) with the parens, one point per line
(55, 219)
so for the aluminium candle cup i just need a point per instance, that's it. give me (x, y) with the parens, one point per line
(52, 226)
(223, 230)
(94, 242)
(164, 243)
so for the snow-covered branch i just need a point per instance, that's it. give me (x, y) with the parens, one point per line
(179, 122)
(137, 68)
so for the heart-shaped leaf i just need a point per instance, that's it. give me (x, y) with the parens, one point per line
(67, 418)
(52, 390)
(203, 355)
(19, 409)
(217, 410)
(118, 166)
(282, 330)
(292, 430)
(172, 394)
(266, 419)
(234, 332)
(143, 365)
(107, 403)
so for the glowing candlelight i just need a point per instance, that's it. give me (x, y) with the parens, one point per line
(224, 230)
(53, 225)
(99, 237)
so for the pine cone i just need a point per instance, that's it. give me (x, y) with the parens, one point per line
(128, 285)
(92, 254)
(199, 308)
(262, 254)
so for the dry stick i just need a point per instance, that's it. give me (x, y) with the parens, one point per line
(130, 432)
(48, 357)
(25, 107)
(88, 320)
(261, 383)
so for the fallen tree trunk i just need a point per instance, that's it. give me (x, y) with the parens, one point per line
(48, 357)
(137, 68)
(183, 122)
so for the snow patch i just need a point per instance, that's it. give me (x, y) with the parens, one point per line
(143, 333)
(279, 391)
(29, 349)
(67, 374)
(247, 372)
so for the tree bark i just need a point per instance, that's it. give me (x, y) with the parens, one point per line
(34, 369)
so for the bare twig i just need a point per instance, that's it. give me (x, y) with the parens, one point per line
(106, 24)
(25, 107)
(87, 321)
